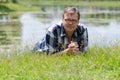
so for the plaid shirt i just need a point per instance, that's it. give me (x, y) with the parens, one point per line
(55, 39)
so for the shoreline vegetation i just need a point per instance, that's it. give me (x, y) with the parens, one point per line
(35, 5)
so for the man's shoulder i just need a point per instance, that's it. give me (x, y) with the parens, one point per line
(54, 27)
(81, 27)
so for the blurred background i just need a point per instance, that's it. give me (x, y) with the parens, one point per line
(24, 22)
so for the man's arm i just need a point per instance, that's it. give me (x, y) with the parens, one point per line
(85, 48)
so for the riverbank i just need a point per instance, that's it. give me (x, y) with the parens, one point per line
(35, 5)
(98, 63)
(10, 7)
(78, 3)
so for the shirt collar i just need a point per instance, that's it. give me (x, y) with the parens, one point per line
(62, 31)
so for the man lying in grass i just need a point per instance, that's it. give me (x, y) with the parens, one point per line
(67, 37)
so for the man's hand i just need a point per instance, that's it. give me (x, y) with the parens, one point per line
(73, 48)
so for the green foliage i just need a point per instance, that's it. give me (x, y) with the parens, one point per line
(98, 64)
(28, 5)
(16, 7)
(3, 8)
(72, 2)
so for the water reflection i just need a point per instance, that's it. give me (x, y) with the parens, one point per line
(32, 29)
(102, 19)
(10, 35)
(104, 35)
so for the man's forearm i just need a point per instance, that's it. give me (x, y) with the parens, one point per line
(68, 51)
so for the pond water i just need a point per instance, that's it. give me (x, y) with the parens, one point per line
(103, 26)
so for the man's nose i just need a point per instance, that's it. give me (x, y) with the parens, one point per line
(70, 22)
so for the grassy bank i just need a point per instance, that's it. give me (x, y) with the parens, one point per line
(98, 64)
(9, 7)
(76, 3)
(24, 5)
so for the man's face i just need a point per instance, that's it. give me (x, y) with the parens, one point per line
(70, 21)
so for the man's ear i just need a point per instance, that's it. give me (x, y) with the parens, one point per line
(78, 21)
(62, 18)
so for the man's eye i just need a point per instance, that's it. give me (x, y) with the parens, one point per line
(67, 20)
(72, 20)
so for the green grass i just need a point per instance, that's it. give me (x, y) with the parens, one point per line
(78, 3)
(25, 5)
(97, 64)
(17, 7)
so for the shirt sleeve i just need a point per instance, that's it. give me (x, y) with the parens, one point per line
(85, 40)
(51, 42)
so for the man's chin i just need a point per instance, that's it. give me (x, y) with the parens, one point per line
(70, 30)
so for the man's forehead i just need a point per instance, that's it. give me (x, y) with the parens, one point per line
(70, 11)
(70, 14)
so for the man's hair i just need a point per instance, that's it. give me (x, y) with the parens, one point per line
(71, 10)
